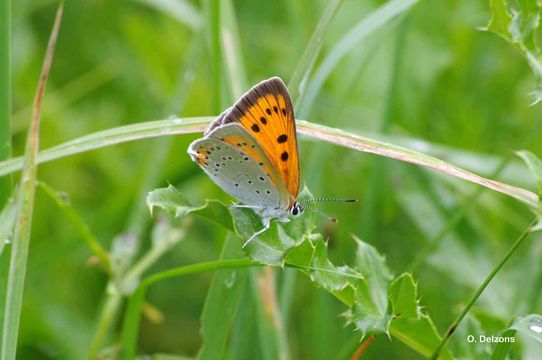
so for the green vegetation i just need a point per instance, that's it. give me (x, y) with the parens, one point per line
(119, 246)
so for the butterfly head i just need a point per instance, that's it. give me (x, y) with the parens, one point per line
(296, 209)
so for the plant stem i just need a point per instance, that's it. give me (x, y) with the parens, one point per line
(81, 226)
(109, 312)
(131, 320)
(481, 289)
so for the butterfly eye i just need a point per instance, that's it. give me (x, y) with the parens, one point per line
(296, 209)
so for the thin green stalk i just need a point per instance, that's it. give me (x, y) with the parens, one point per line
(25, 208)
(80, 225)
(109, 312)
(5, 95)
(148, 260)
(131, 320)
(470, 303)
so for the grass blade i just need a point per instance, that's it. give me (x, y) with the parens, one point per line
(356, 142)
(335, 136)
(213, 24)
(5, 95)
(351, 40)
(297, 82)
(221, 304)
(113, 136)
(231, 44)
(25, 208)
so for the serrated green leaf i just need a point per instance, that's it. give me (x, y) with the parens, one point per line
(373, 267)
(403, 296)
(176, 204)
(418, 331)
(216, 212)
(535, 166)
(362, 287)
(301, 254)
(333, 278)
(271, 246)
(169, 199)
(500, 19)
(518, 22)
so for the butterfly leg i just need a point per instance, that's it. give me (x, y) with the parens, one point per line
(259, 232)
(246, 206)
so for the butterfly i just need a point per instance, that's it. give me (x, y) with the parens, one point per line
(250, 151)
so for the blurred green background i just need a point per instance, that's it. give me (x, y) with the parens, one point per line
(429, 80)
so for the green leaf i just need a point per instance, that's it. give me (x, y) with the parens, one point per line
(363, 287)
(411, 325)
(530, 325)
(373, 267)
(535, 165)
(169, 199)
(518, 23)
(500, 19)
(403, 297)
(176, 204)
(500, 351)
(466, 342)
(271, 246)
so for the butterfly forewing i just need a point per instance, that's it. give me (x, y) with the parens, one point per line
(266, 112)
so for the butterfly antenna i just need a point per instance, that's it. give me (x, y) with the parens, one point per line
(328, 200)
(319, 212)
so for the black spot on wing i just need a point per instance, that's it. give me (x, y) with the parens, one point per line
(284, 156)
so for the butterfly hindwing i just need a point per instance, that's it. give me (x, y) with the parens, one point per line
(236, 163)
(266, 112)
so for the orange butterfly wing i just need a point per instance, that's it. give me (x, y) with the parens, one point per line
(267, 113)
